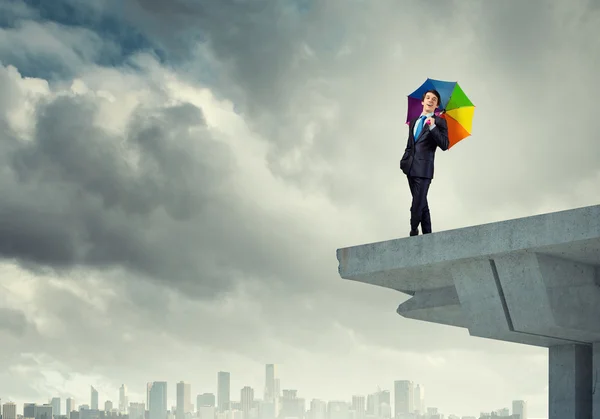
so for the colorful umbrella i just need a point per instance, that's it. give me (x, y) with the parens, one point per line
(456, 108)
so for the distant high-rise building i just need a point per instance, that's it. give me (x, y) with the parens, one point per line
(403, 398)
(148, 387)
(123, 399)
(55, 402)
(384, 397)
(157, 397)
(29, 410)
(205, 400)
(94, 398)
(269, 383)
(291, 405)
(108, 406)
(137, 410)
(9, 411)
(318, 409)
(247, 401)
(519, 407)
(223, 391)
(184, 400)
(419, 403)
(43, 411)
(70, 405)
(375, 402)
(359, 407)
(338, 410)
(277, 388)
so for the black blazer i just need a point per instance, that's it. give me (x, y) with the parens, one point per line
(419, 157)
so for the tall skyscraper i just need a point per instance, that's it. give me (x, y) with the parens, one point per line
(419, 404)
(148, 388)
(318, 409)
(338, 410)
(55, 402)
(43, 411)
(384, 397)
(137, 410)
(247, 401)
(269, 383)
(29, 410)
(519, 407)
(403, 398)
(157, 397)
(224, 391)
(184, 400)
(94, 397)
(70, 405)
(359, 407)
(205, 400)
(9, 411)
(123, 399)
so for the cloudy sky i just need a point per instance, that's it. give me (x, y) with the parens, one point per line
(177, 176)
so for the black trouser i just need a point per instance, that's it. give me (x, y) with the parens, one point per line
(419, 210)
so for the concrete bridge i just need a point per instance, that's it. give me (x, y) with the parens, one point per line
(533, 280)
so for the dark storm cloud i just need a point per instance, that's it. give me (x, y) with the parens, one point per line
(72, 195)
(156, 201)
(13, 321)
(31, 31)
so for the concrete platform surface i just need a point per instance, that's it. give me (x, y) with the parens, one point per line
(533, 280)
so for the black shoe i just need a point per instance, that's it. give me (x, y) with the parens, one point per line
(414, 233)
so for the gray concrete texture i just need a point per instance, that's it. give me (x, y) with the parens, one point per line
(533, 280)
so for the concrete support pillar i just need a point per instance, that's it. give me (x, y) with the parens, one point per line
(596, 381)
(571, 376)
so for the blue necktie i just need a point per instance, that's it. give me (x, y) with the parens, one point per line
(420, 126)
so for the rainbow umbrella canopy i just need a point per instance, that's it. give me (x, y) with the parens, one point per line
(455, 108)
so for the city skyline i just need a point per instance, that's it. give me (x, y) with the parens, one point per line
(405, 397)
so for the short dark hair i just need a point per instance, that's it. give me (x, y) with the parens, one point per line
(435, 92)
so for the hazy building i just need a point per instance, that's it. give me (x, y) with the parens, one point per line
(70, 406)
(205, 399)
(184, 400)
(247, 401)
(318, 409)
(269, 383)
(224, 391)
(266, 410)
(85, 413)
(403, 398)
(55, 402)
(136, 410)
(277, 389)
(94, 398)
(157, 398)
(338, 410)
(9, 411)
(43, 411)
(359, 407)
(29, 410)
(108, 406)
(206, 412)
(123, 399)
(291, 405)
(519, 407)
(419, 403)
